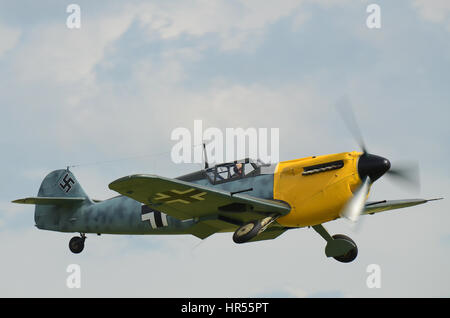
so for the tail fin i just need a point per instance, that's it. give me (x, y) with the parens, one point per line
(61, 183)
(60, 194)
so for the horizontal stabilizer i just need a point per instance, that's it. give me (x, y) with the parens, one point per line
(50, 200)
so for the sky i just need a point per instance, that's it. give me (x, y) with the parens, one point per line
(105, 98)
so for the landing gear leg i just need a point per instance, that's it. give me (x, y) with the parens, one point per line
(340, 247)
(76, 243)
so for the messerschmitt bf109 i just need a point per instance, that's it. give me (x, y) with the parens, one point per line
(254, 200)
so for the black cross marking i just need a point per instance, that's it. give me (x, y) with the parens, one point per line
(67, 183)
(174, 196)
(156, 218)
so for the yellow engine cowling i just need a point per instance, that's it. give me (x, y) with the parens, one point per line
(316, 195)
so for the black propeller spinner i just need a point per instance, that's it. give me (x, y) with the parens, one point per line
(374, 166)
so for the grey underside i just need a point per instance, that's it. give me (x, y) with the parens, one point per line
(123, 215)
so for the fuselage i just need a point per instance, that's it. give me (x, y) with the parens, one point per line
(316, 188)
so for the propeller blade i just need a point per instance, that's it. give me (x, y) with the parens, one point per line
(345, 109)
(406, 173)
(355, 206)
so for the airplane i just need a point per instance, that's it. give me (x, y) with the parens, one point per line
(254, 200)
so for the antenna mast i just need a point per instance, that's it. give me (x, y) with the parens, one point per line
(206, 157)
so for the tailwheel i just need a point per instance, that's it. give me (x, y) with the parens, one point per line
(351, 254)
(76, 244)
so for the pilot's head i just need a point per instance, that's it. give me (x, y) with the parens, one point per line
(238, 168)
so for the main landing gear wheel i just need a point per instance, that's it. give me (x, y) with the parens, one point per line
(76, 244)
(247, 231)
(350, 255)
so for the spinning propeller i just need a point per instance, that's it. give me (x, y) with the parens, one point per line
(372, 167)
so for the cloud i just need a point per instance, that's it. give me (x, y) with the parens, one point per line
(436, 11)
(9, 38)
(63, 55)
(67, 63)
(236, 23)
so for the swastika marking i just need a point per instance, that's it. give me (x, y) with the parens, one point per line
(68, 182)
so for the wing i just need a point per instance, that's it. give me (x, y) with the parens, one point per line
(184, 200)
(381, 206)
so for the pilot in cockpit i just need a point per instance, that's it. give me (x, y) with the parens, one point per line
(238, 170)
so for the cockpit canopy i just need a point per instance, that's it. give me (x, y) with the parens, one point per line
(237, 169)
